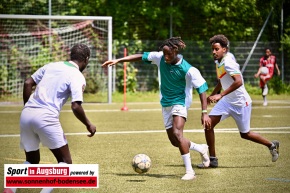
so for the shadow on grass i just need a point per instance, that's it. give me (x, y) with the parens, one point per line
(235, 167)
(225, 167)
(147, 175)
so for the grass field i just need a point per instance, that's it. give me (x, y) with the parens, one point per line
(243, 165)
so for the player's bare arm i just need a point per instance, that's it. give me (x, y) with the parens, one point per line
(205, 120)
(236, 84)
(27, 90)
(277, 68)
(258, 73)
(80, 114)
(217, 88)
(131, 58)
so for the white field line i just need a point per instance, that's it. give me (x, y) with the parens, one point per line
(228, 130)
(138, 103)
(141, 110)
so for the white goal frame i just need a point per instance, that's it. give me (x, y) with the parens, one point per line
(52, 17)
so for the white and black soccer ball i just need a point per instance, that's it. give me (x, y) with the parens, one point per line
(264, 70)
(141, 163)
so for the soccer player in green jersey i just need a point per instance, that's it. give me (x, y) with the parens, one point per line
(177, 78)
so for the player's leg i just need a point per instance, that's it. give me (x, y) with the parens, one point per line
(264, 87)
(62, 154)
(52, 136)
(217, 114)
(210, 135)
(29, 141)
(174, 119)
(210, 140)
(175, 135)
(242, 118)
(33, 157)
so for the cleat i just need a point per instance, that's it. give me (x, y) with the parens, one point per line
(213, 163)
(274, 150)
(204, 156)
(188, 177)
(265, 103)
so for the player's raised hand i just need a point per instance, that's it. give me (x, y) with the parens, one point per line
(92, 130)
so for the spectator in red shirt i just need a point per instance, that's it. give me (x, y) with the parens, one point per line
(266, 71)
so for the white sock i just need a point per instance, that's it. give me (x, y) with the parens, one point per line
(196, 147)
(187, 163)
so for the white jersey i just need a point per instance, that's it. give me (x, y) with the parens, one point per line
(225, 69)
(56, 82)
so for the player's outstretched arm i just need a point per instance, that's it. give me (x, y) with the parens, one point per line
(79, 112)
(131, 58)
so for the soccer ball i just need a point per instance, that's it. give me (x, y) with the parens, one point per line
(264, 70)
(141, 163)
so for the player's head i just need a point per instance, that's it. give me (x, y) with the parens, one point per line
(268, 52)
(170, 48)
(80, 53)
(220, 45)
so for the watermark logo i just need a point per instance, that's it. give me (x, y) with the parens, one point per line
(51, 176)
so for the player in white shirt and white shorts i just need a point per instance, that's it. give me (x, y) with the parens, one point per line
(39, 120)
(233, 101)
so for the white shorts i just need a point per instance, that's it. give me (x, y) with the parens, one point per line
(40, 125)
(168, 113)
(242, 115)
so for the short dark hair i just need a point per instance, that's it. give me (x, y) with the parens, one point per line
(268, 48)
(221, 39)
(174, 42)
(80, 52)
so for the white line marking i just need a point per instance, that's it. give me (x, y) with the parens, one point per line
(228, 130)
(143, 110)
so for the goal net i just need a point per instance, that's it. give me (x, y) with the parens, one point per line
(28, 42)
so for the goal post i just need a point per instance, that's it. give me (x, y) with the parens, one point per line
(28, 42)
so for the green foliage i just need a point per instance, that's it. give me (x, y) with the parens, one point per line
(278, 86)
(253, 90)
(131, 80)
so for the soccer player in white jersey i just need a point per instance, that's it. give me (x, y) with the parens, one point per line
(233, 101)
(177, 78)
(39, 121)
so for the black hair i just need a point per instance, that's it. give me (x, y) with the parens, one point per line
(174, 42)
(265, 56)
(268, 48)
(221, 39)
(80, 52)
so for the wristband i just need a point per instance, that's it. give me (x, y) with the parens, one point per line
(204, 111)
